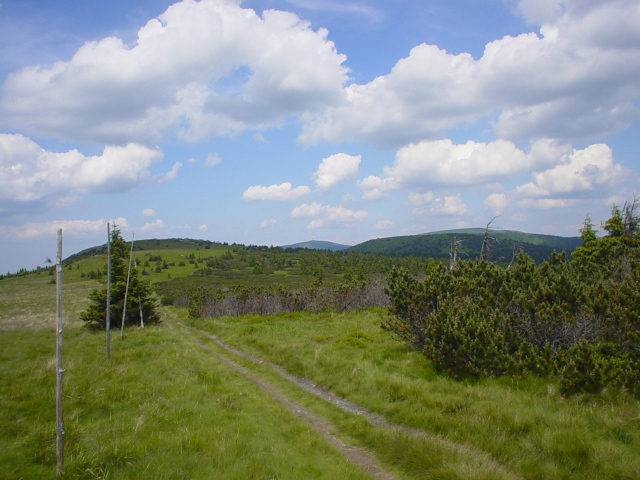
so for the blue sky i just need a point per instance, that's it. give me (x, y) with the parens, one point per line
(276, 121)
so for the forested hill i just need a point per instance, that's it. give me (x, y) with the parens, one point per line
(319, 245)
(435, 245)
(438, 244)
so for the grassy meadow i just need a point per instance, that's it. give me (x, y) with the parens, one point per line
(164, 407)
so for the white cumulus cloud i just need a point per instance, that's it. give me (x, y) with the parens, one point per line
(441, 163)
(34, 230)
(575, 79)
(213, 159)
(383, 224)
(496, 202)
(448, 206)
(30, 174)
(157, 225)
(268, 223)
(336, 169)
(578, 172)
(328, 214)
(574, 176)
(281, 192)
(199, 69)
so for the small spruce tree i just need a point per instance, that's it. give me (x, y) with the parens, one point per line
(139, 297)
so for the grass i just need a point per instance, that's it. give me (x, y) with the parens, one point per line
(525, 425)
(164, 408)
(161, 408)
(30, 301)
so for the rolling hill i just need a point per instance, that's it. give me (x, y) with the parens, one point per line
(318, 245)
(433, 244)
(438, 244)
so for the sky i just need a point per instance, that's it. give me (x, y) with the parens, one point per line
(272, 122)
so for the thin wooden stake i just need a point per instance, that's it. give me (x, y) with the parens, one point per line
(59, 370)
(126, 291)
(108, 285)
(141, 317)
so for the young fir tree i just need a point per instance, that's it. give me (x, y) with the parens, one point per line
(139, 297)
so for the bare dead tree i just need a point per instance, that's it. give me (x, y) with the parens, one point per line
(517, 248)
(488, 242)
(630, 217)
(453, 254)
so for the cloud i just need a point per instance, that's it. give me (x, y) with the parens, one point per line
(336, 169)
(199, 69)
(170, 176)
(275, 192)
(538, 12)
(547, 203)
(354, 8)
(449, 206)
(374, 187)
(307, 210)
(203, 227)
(496, 202)
(576, 79)
(148, 212)
(441, 163)
(327, 214)
(383, 224)
(268, 223)
(575, 176)
(31, 175)
(420, 198)
(212, 160)
(30, 231)
(157, 225)
(579, 172)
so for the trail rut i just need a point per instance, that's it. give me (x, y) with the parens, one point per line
(358, 456)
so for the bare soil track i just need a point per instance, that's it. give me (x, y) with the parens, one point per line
(356, 455)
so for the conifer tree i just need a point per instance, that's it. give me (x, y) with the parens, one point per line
(139, 292)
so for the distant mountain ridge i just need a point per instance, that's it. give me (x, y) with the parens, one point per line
(432, 244)
(319, 245)
(438, 244)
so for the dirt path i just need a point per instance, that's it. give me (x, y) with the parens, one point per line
(356, 455)
(364, 460)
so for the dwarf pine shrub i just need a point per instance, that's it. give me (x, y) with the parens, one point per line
(579, 319)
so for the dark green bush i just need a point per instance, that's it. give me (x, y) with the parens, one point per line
(579, 319)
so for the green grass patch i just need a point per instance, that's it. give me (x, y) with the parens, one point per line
(164, 408)
(525, 425)
(161, 408)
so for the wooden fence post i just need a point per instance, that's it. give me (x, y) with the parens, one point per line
(108, 321)
(59, 370)
(126, 291)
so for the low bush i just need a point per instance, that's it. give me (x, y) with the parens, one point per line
(579, 320)
(242, 300)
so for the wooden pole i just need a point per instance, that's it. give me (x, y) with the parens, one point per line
(141, 317)
(59, 370)
(126, 291)
(108, 285)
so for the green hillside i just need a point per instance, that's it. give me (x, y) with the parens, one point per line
(438, 244)
(319, 245)
(154, 244)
